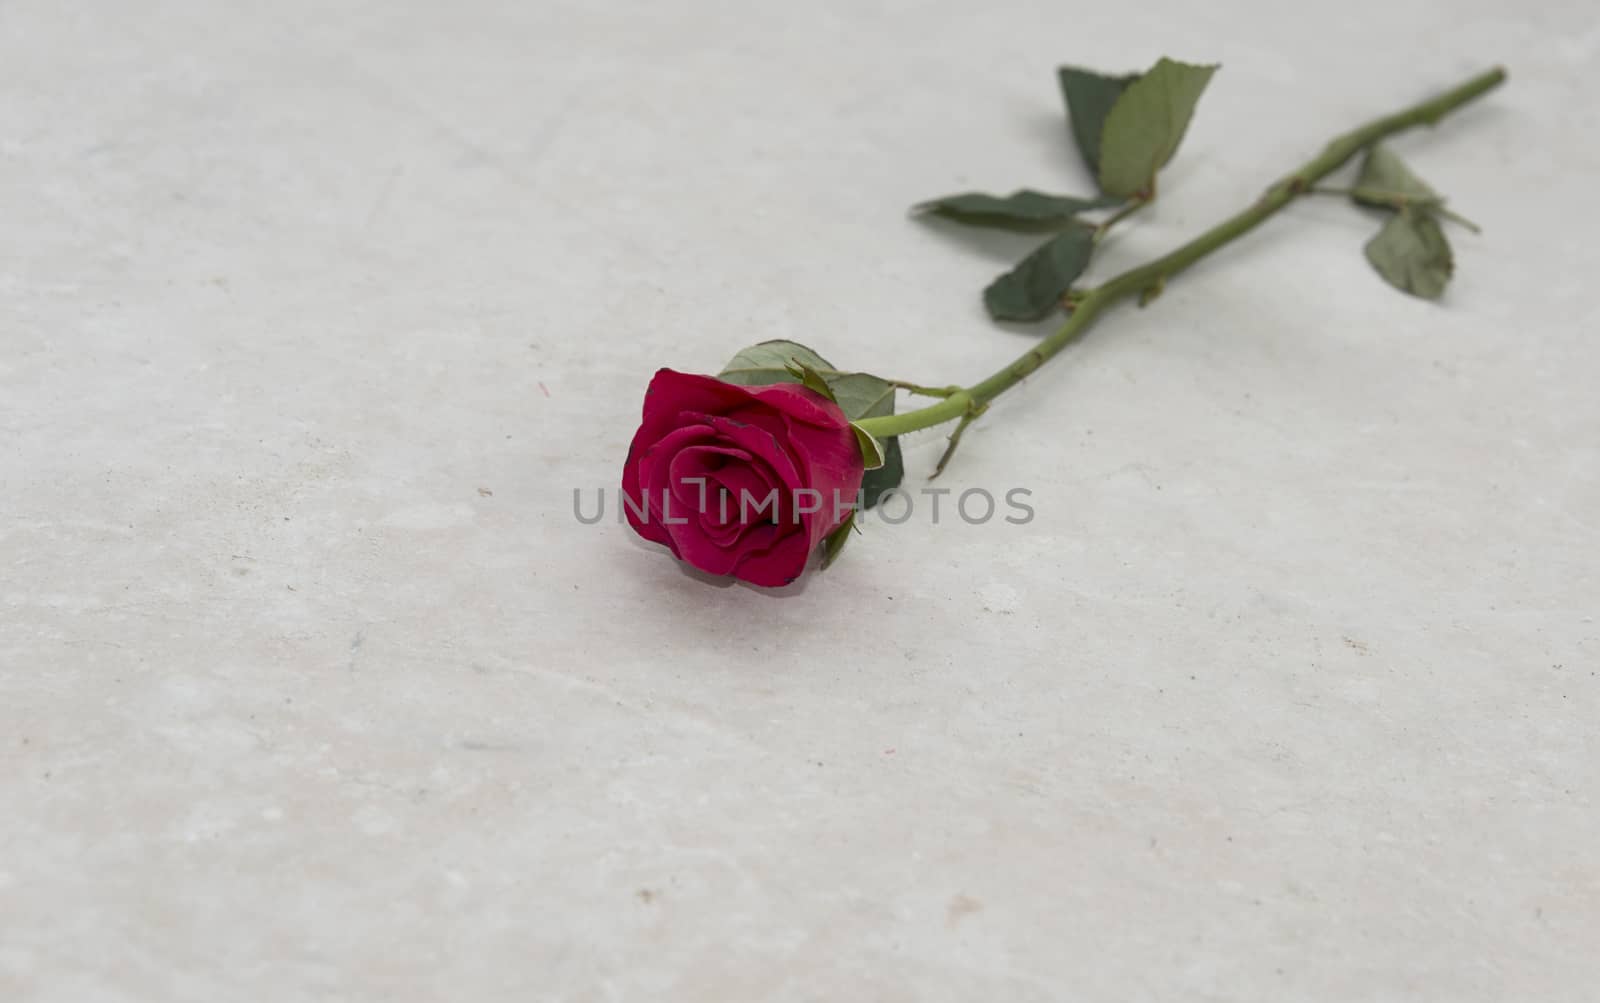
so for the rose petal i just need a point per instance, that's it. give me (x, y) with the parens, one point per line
(696, 546)
(833, 467)
(801, 404)
(760, 443)
(694, 484)
(714, 551)
(825, 460)
(745, 442)
(691, 469)
(644, 481)
(672, 393)
(749, 486)
(780, 564)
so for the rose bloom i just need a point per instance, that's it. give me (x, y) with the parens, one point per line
(741, 481)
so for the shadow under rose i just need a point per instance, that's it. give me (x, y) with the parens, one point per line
(658, 552)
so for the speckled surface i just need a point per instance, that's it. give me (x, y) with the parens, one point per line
(312, 317)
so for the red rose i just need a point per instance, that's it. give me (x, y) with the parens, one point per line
(737, 480)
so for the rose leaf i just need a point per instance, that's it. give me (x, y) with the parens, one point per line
(1385, 180)
(1089, 97)
(769, 362)
(1412, 254)
(1035, 287)
(1145, 125)
(862, 395)
(1024, 210)
(812, 380)
(834, 542)
(879, 482)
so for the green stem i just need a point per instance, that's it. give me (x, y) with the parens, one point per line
(1400, 202)
(910, 388)
(1148, 278)
(1104, 227)
(1456, 217)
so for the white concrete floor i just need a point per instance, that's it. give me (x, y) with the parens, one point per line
(313, 315)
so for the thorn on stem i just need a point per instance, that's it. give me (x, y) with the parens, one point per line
(1152, 290)
(955, 437)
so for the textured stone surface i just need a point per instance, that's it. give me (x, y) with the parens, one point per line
(313, 315)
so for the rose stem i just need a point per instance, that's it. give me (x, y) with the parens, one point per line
(1147, 279)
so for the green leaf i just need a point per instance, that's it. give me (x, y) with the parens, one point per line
(1145, 126)
(1412, 255)
(1385, 180)
(1033, 289)
(1023, 210)
(1089, 98)
(812, 380)
(769, 362)
(859, 395)
(835, 541)
(875, 483)
(862, 395)
(1410, 252)
(871, 449)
